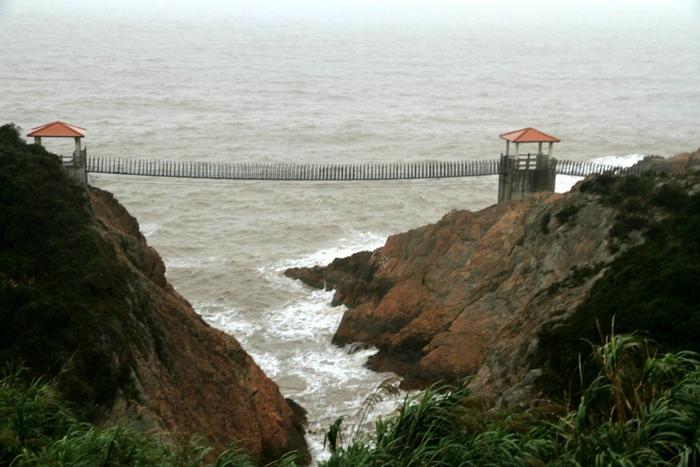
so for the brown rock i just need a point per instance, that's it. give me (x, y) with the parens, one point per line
(677, 164)
(466, 284)
(189, 378)
(353, 278)
(467, 296)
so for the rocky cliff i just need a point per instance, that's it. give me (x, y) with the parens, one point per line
(83, 298)
(488, 294)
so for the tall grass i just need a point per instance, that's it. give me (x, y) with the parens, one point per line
(640, 409)
(38, 428)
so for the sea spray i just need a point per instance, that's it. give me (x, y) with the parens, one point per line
(292, 343)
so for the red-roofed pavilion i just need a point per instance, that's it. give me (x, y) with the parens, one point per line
(74, 165)
(58, 130)
(528, 135)
(521, 175)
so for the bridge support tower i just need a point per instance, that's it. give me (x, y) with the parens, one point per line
(522, 174)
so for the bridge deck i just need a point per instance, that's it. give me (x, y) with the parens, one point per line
(324, 172)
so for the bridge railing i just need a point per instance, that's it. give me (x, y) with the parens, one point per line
(327, 172)
(584, 169)
(287, 171)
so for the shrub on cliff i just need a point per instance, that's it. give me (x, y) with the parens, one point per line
(651, 289)
(641, 409)
(58, 289)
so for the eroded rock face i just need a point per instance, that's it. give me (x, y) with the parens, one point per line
(467, 296)
(188, 378)
(352, 277)
(444, 296)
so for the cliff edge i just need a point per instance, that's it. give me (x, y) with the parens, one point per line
(509, 295)
(84, 299)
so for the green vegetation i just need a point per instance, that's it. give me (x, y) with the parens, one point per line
(38, 428)
(544, 223)
(567, 213)
(577, 277)
(60, 290)
(651, 289)
(640, 409)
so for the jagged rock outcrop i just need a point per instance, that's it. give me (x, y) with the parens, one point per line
(85, 300)
(471, 294)
(446, 294)
(191, 378)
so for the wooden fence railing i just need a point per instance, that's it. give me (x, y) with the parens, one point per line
(324, 172)
(584, 169)
(286, 171)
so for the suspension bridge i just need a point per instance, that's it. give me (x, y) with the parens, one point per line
(336, 172)
(518, 174)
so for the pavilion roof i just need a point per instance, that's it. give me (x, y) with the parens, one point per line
(529, 135)
(58, 130)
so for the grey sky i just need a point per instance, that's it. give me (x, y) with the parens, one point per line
(508, 9)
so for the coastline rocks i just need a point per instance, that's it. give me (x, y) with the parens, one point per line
(189, 378)
(678, 164)
(352, 277)
(469, 295)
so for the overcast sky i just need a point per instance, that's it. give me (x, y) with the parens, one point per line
(358, 8)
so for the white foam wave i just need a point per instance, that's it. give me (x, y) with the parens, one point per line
(268, 362)
(148, 230)
(345, 246)
(192, 262)
(231, 322)
(226, 319)
(351, 243)
(330, 368)
(619, 161)
(566, 182)
(291, 342)
(305, 318)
